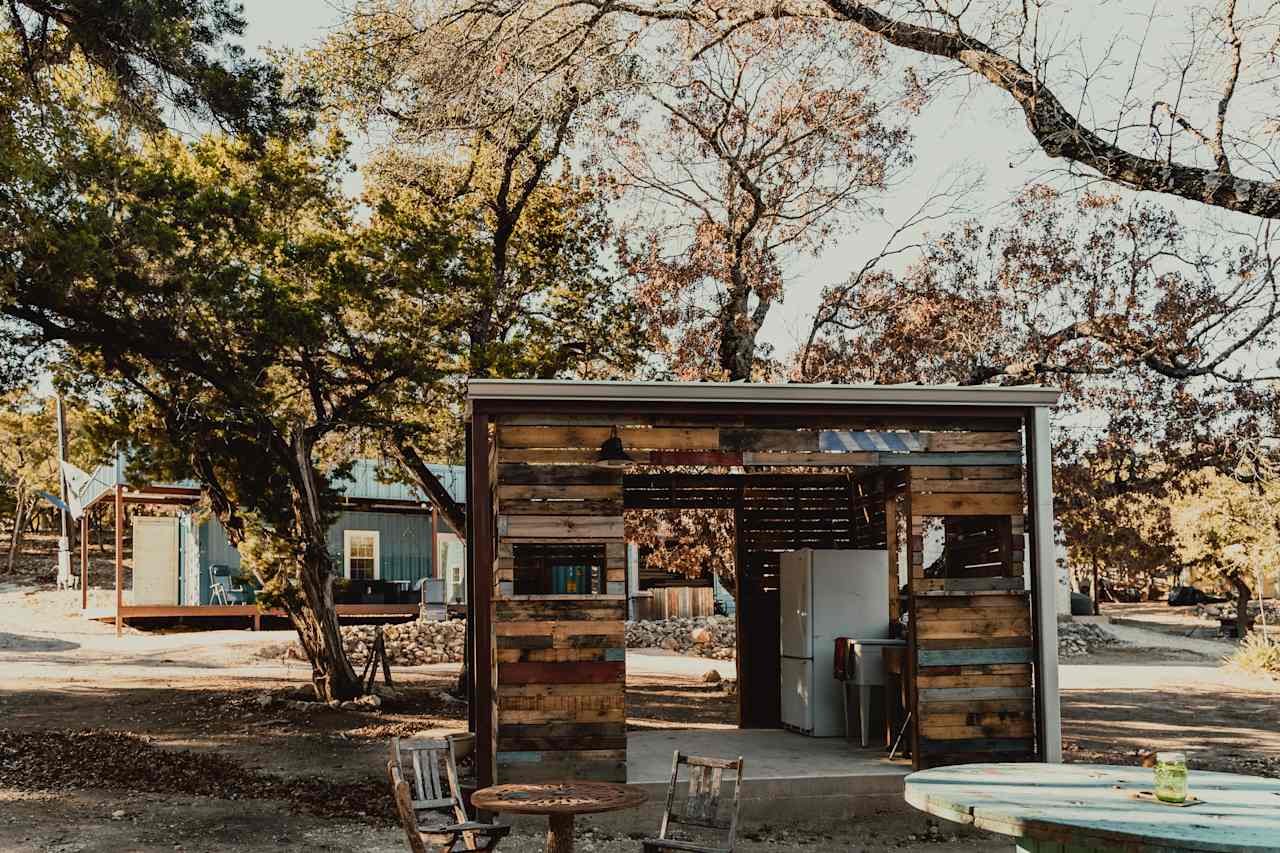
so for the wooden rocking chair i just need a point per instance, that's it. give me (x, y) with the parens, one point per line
(430, 808)
(702, 807)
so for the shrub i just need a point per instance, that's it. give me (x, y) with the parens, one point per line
(1258, 654)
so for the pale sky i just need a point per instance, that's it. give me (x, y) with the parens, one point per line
(977, 128)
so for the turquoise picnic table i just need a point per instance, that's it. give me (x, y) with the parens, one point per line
(1082, 808)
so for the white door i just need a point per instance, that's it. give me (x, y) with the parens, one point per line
(796, 599)
(797, 694)
(155, 560)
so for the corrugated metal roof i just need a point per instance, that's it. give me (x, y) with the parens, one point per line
(365, 484)
(761, 392)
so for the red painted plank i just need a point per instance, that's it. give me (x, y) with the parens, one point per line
(570, 672)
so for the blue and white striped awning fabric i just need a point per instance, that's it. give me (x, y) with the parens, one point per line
(847, 441)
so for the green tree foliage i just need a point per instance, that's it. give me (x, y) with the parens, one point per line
(1228, 532)
(148, 56)
(1126, 540)
(28, 461)
(223, 305)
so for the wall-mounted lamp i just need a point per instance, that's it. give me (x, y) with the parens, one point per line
(611, 453)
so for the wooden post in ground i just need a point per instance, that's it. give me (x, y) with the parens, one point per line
(84, 561)
(119, 558)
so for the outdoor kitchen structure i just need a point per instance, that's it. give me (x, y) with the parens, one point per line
(951, 484)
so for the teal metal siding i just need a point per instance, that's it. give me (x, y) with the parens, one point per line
(404, 546)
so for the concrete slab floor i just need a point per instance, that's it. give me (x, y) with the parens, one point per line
(767, 753)
(789, 778)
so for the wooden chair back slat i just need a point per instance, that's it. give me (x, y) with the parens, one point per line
(703, 803)
(435, 792)
(701, 807)
(404, 807)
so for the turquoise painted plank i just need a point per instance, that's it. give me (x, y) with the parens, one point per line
(973, 657)
(615, 654)
(1092, 807)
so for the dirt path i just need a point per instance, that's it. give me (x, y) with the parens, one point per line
(167, 713)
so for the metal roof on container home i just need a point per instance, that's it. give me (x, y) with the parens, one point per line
(761, 393)
(363, 483)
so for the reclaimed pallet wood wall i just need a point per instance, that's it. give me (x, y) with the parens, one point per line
(560, 674)
(973, 630)
(559, 671)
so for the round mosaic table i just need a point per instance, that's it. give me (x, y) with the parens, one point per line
(1093, 807)
(560, 802)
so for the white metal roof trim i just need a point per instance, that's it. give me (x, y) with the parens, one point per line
(743, 392)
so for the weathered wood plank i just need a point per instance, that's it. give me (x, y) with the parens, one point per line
(975, 614)
(943, 643)
(587, 672)
(995, 728)
(968, 585)
(535, 716)
(965, 657)
(641, 438)
(565, 628)
(996, 598)
(560, 507)
(964, 442)
(575, 490)
(547, 475)
(974, 628)
(978, 745)
(817, 460)
(540, 697)
(768, 439)
(561, 526)
(563, 456)
(967, 504)
(963, 472)
(562, 756)
(966, 486)
(973, 681)
(956, 694)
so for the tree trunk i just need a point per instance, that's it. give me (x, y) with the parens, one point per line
(453, 511)
(1243, 594)
(1093, 589)
(313, 614)
(21, 517)
(316, 621)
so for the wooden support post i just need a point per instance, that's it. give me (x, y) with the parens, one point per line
(119, 513)
(741, 616)
(1044, 586)
(84, 561)
(480, 596)
(891, 545)
(435, 571)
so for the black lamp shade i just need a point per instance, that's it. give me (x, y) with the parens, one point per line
(612, 454)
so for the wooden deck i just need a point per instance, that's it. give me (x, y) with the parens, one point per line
(131, 612)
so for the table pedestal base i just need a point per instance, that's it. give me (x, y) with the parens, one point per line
(560, 833)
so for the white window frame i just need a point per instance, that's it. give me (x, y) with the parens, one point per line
(377, 551)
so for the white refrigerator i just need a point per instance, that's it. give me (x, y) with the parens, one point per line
(826, 594)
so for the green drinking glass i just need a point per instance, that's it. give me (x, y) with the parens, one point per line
(1171, 777)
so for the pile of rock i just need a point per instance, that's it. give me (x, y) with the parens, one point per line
(408, 644)
(706, 636)
(1227, 611)
(1081, 638)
